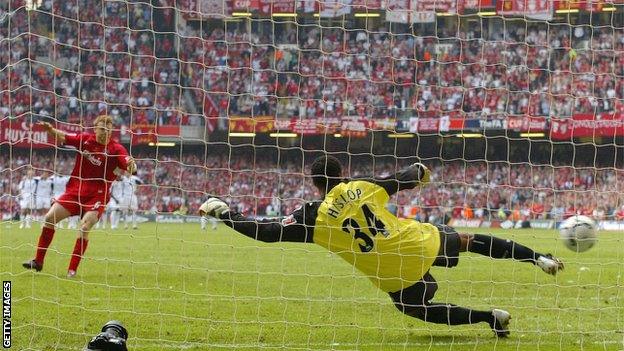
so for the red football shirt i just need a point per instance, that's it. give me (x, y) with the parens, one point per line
(95, 165)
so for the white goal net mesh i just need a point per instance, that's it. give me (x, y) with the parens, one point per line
(516, 107)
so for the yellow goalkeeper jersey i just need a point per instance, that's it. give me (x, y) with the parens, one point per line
(354, 223)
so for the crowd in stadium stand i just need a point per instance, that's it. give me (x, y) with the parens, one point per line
(114, 61)
(72, 61)
(492, 190)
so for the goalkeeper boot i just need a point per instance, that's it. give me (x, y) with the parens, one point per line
(71, 273)
(501, 323)
(32, 264)
(549, 264)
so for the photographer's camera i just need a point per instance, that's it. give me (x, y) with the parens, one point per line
(112, 338)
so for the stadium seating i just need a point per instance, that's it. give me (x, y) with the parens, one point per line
(138, 76)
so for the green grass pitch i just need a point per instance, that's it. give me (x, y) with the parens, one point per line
(179, 288)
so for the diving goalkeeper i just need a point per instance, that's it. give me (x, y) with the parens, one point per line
(396, 254)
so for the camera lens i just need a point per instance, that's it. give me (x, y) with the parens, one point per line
(112, 338)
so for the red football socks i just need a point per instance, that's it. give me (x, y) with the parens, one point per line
(79, 249)
(47, 234)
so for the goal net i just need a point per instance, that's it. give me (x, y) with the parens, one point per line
(515, 106)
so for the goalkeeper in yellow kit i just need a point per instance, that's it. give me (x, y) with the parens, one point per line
(396, 254)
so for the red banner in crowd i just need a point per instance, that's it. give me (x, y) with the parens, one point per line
(268, 7)
(398, 11)
(420, 11)
(333, 125)
(449, 6)
(169, 130)
(199, 9)
(450, 124)
(588, 125)
(527, 124)
(413, 11)
(333, 8)
(535, 9)
(424, 125)
(143, 134)
(355, 127)
(384, 124)
(283, 124)
(479, 4)
(458, 124)
(586, 5)
(404, 11)
(245, 5)
(566, 4)
(249, 125)
(363, 5)
(19, 132)
(425, 10)
(305, 126)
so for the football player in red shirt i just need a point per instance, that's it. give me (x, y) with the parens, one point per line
(88, 191)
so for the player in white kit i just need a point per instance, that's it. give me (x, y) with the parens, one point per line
(124, 201)
(129, 198)
(27, 188)
(43, 195)
(113, 208)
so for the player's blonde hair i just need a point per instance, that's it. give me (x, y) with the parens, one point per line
(103, 118)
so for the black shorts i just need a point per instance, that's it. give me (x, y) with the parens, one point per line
(423, 290)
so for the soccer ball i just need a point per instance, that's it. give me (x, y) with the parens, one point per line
(578, 233)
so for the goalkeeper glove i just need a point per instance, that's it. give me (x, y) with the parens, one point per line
(418, 172)
(213, 207)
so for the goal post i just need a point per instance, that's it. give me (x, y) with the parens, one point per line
(516, 107)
